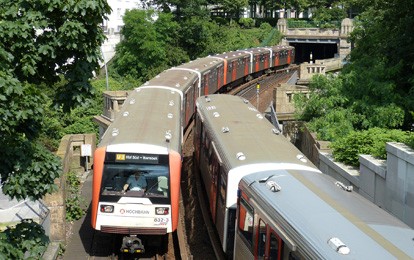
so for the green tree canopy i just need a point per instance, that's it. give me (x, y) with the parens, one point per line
(375, 89)
(149, 44)
(25, 241)
(41, 42)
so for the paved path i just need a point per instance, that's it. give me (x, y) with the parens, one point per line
(80, 243)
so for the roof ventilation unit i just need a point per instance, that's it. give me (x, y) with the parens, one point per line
(273, 186)
(337, 245)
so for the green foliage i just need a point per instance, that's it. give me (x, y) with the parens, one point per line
(42, 42)
(32, 170)
(246, 22)
(153, 45)
(333, 125)
(321, 23)
(74, 203)
(39, 38)
(372, 141)
(386, 68)
(234, 7)
(325, 16)
(149, 45)
(325, 94)
(25, 241)
(337, 105)
(20, 107)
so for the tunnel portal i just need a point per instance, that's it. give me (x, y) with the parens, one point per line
(319, 51)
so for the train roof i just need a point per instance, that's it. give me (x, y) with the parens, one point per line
(312, 209)
(174, 79)
(200, 65)
(227, 118)
(233, 55)
(148, 116)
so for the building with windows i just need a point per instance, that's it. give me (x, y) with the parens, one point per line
(112, 26)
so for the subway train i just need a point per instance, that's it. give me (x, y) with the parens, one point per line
(146, 139)
(268, 201)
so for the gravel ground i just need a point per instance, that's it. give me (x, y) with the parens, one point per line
(196, 232)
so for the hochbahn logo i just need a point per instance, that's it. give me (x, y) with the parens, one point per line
(134, 211)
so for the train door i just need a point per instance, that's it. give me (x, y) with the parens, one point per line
(274, 245)
(269, 244)
(199, 129)
(266, 61)
(220, 80)
(213, 80)
(206, 82)
(289, 60)
(196, 91)
(234, 70)
(277, 59)
(189, 104)
(257, 62)
(246, 66)
(196, 95)
(214, 172)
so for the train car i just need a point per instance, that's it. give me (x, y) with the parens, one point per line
(269, 202)
(291, 214)
(283, 55)
(145, 137)
(237, 66)
(223, 163)
(144, 142)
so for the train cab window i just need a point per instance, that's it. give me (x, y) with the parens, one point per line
(245, 222)
(153, 180)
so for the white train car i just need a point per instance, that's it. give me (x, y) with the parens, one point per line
(269, 202)
(223, 162)
(290, 214)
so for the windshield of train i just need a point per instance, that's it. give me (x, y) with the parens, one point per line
(135, 180)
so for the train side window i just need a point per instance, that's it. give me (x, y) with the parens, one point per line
(246, 222)
(261, 243)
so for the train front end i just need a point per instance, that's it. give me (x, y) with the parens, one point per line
(151, 209)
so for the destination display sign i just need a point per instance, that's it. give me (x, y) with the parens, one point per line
(133, 158)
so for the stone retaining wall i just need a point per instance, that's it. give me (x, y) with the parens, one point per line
(69, 151)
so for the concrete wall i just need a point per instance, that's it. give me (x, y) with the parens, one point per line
(400, 182)
(389, 184)
(339, 35)
(69, 151)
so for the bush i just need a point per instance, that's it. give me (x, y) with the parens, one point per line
(246, 22)
(372, 141)
(74, 203)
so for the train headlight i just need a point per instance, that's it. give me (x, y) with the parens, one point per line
(162, 210)
(107, 208)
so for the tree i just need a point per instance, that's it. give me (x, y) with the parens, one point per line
(41, 42)
(381, 64)
(149, 45)
(377, 85)
(27, 240)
